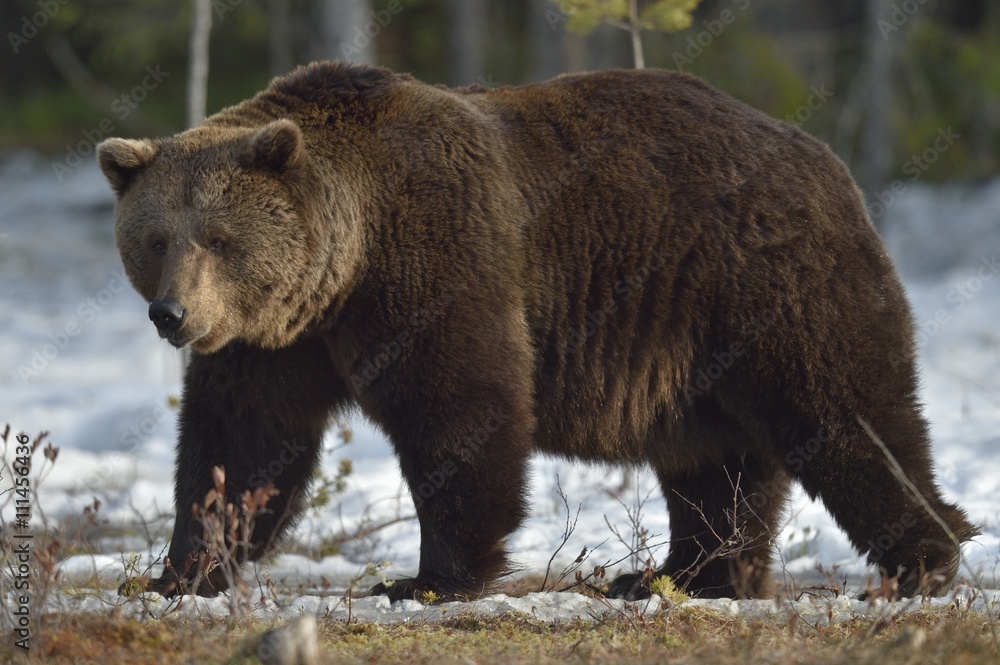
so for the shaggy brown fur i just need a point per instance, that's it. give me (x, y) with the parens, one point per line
(624, 267)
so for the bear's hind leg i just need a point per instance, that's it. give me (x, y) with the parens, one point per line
(850, 472)
(724, 519)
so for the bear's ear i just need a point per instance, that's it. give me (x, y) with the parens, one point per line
(277, 147)
(123, 159)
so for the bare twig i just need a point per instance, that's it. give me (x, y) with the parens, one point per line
(901, 476)
(567, 532)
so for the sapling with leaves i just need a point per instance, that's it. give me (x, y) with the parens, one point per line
(632, 16)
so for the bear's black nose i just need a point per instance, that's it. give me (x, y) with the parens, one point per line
(167, 315)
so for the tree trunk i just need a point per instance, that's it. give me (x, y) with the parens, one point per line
(574, 48)
(876, 143)
(348, 30)
(606, 48)
(466, 36)
(201, 29)
(279, 43)
(638, 61)
(546, 38)
(76, 73)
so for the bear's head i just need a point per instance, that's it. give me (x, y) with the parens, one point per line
(224, 231)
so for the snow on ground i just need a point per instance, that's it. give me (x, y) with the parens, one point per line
(546, 607)
(79, 359)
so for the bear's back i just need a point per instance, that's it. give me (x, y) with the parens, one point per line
(663, 213)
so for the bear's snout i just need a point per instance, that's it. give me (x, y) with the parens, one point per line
(167, 315)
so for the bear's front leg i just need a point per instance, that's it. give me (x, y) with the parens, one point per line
(261, 416)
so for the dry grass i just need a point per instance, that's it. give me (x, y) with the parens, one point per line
(106, 639)
(684, 637)
(680, 636)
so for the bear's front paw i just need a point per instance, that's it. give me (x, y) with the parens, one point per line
(170, 585)
(407, 589)
(133, 586)
(166, 587)
(629, 586)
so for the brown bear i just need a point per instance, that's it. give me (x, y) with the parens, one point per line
(624, 267)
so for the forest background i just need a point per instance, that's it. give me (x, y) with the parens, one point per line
(878, 91)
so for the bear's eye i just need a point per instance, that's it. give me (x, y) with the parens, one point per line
(159, 247)
(216, 245)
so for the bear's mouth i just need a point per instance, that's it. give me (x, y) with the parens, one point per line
(176, 340)
(204, 342)
(181, 338)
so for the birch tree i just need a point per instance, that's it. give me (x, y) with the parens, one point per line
(349, 29)
(201, 29)
(876, 144)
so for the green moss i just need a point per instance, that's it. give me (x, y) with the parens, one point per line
(664, 587)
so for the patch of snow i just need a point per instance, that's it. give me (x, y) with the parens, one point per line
(546, 607)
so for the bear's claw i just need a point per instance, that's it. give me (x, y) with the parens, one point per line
(629, 586)
(168, 586)
(411, 589)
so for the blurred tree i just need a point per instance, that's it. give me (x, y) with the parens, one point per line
(64, 68)
(965, 15)
(950, 82)
(547, 37)
(875, 160)
(466, 37)
(279, 37)
(349, 29)
(197, 95)
(201, 30)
